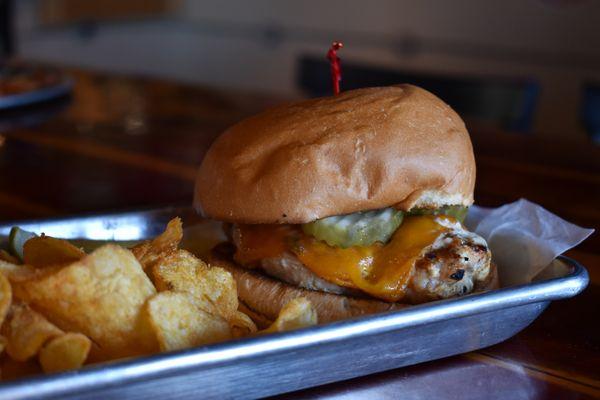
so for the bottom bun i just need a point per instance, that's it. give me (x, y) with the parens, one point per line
(263, 297)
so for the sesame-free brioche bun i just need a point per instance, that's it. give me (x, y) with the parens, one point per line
(360, 150)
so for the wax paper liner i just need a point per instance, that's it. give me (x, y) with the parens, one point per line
(524, 238)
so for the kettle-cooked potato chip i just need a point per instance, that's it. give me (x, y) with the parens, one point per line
(259, 320)
(242, 325)
(177, 271)
(44, 251)
(16, 272)
(108, 303)
(213, 288)
(6, 256)
(26, 332)
(178, 323)
(296, 314)
(148, 253)
(101, 296)
(65, 352)
(5, 297)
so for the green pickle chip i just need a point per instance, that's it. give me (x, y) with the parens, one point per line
(458, 212)
(357, 229)
(16, 240)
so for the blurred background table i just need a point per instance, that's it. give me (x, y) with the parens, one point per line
(122, 143)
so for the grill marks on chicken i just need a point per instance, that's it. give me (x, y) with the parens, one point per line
(454, 265)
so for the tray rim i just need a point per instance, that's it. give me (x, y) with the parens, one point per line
(5, 226)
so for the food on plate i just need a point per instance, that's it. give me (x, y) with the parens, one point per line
(296, 314)
(152, 251)
(44, 251)
(5, 297)
(354, 201)
(26, 331)
(16, 240)
(333, 208)
(65, 352)
(180, 323)
(211, 288)
(101, 296)
(63, 307)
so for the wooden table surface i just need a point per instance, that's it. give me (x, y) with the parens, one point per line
(127, 143)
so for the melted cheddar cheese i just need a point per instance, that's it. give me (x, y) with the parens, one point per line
(381, 270)
(255, 242)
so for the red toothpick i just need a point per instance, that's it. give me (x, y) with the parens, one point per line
(336, 68)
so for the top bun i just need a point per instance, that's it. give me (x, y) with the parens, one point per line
(360, 150)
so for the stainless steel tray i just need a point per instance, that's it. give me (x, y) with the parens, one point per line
(280, 363)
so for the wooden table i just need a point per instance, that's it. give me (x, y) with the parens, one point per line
(126, 143)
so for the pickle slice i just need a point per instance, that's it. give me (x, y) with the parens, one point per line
(458, 212)
(357, 229)
(16, 240)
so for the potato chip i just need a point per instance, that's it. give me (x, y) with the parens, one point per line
(177, 271)
(259, 320)
(100, 296)
(213, 288)
(44, 251)
(178, 323)
(65, 352)
(5, 297)
(242, 325)
(296, 314)
(148, 253)
(16, 272)
(26, 331)
(6, 256)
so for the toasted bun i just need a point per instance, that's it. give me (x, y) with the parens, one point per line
(263, 297)
(363, 149)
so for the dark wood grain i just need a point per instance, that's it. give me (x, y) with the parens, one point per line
(124, 143)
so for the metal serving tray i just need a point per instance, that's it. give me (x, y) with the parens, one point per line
(285, 362)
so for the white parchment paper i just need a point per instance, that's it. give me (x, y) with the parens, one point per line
(524, 238)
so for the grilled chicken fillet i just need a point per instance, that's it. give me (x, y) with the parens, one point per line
(456, 263)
